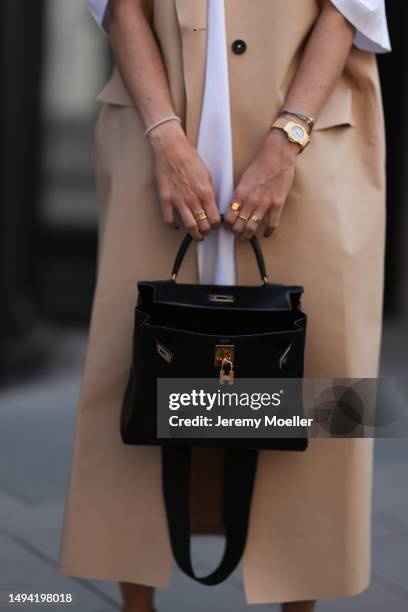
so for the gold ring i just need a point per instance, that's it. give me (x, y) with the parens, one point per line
(256, 219)
(246, 219)
(201, 216)
(235, 206)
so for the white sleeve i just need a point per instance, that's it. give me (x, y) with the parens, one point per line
(370, 21)
(100, 11)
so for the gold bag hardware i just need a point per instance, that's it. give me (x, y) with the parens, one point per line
(227, 372)
(164, 352)
(218, 297)
(283, 359)
(223, 351)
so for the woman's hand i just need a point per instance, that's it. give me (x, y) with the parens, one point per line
(184, 182)
(264, 186)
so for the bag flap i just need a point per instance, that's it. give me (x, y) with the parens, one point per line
(237, 297)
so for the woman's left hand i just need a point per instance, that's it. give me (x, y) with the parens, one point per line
(264, 186)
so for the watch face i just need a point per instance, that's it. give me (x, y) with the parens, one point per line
(297, 132)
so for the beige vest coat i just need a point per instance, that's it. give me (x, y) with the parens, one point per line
(310, 520)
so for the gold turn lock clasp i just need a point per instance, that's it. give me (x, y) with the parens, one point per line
(224, 359)
(227, 371)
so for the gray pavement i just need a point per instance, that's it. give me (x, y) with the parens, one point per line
(37, 414)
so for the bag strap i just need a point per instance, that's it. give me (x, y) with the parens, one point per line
(187, 240)
(240, 469)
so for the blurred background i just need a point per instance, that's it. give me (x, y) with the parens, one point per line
(54, 62)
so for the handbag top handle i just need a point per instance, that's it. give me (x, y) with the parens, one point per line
(187, 240)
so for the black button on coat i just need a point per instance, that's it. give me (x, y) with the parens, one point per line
(239, 46)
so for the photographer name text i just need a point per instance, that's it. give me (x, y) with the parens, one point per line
(251, 422)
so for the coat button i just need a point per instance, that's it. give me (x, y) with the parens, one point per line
(239, 46)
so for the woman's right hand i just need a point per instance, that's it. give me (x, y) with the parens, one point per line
(184, 182)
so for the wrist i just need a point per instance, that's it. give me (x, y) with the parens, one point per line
(166, 136)
(279, 140)
(295, 131)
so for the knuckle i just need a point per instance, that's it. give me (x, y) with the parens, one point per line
(263, 205)
(252, 201)
(193, 205)
(212, 209)
(240, 196)
(206, 193)
(165, 196)
(213, 217)
(276, 203)
(199, 188)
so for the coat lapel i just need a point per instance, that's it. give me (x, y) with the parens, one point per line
(192, 18)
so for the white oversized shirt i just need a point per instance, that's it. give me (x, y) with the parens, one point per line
(216, 259)
(367, 16)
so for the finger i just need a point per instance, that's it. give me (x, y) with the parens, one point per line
(262, 226)
(196, 208)
(230, 215)
(168, 213)
(273, 219)
(243, 217)
(209, 204)
(253, 224)
(189, 221)
(283, 184)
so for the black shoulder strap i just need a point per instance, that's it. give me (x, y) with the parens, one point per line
(240, 469)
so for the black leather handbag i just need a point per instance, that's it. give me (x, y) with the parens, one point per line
(224, 327)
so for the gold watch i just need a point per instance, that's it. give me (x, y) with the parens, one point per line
(294, 131)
